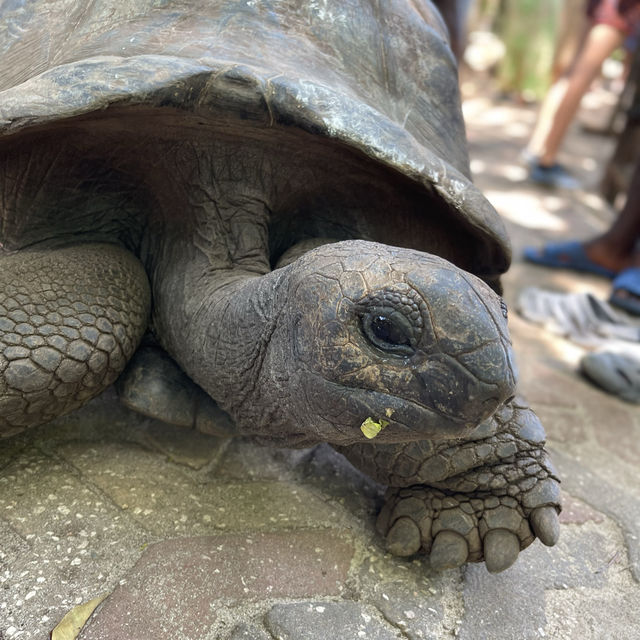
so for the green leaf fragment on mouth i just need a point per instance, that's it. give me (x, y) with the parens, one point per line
(370, 428)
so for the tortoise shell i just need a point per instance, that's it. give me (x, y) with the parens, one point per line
(377, 79)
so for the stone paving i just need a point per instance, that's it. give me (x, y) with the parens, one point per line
(194, 537)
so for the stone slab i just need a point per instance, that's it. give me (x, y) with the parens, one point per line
(63, 542)
(249, 632)
(417, 612)
(576, 511)
(177, 585)
(513, 605)
(323, 620)
(622, 506)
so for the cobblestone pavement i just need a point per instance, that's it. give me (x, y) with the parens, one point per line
(199, 538)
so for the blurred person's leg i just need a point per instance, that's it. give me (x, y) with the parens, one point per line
(617, 248)
(572, 34)
(615, 253)
(454, 13)
(544, 121)
(602, 40)
(613, 20)
(572, 31)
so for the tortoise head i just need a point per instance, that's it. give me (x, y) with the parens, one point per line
(398, 338)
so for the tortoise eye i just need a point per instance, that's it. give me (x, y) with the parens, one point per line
(386, 330)
(389, 330)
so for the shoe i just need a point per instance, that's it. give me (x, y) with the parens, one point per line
(555, 176)
(626, 291)
(567, 255)
(618, 373)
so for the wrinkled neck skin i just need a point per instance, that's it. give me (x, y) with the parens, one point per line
(215, 301)
(218, 327)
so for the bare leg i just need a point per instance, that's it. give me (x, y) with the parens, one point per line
(601, 41)
(574, 26)
(569, 47)
(548, 109)
(616, 249)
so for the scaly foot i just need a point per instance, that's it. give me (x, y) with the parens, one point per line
(482, 498)
(458, 528)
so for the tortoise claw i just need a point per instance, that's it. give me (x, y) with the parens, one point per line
(501, 549)
(449, 550)
(545, 524)
(403, 539)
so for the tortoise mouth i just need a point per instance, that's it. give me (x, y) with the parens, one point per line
(408, 421)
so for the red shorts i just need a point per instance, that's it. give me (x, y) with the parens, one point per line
(623, 15)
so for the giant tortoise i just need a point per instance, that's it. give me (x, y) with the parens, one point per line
(277, 196)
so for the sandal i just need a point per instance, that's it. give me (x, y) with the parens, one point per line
(626, 291)
(566, 255)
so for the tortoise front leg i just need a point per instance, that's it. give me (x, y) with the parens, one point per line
(70, 319)
(466, 501)
(154, 385)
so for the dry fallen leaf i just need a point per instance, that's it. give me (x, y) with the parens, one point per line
(70, 626)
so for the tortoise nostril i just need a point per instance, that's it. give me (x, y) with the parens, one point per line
(503, 307)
